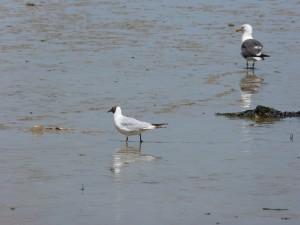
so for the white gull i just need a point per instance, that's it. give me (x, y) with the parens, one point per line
(130, 126)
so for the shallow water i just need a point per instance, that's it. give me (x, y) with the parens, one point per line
(65, 63)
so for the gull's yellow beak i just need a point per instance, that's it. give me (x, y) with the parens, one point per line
(238, 30)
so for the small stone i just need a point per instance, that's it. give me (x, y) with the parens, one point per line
(37, 128)
(30, 4)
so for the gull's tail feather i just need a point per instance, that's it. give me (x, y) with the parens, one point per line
(160, 125)
(264, 55)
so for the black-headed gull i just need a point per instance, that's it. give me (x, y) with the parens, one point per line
(251, 49)
(130, 126)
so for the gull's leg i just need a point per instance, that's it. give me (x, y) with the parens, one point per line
(126, 139)
(253, 65)
(247, 64)
(141, 138)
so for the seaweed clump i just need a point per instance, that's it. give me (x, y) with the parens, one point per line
(261, 112)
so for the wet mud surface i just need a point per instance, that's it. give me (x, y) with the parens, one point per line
(65, 63)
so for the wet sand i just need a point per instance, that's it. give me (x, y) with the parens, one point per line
(64, 64)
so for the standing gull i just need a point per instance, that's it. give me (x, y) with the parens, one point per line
(251, 49)
(130, 126)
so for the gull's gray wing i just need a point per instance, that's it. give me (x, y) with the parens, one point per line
(251, 48)
(131, 124)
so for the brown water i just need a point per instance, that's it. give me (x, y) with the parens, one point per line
(65, 63)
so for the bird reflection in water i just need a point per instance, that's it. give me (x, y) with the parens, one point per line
(127, 155)
(250, 84)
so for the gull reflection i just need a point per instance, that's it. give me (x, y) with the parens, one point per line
(127, 155)
(250, 84)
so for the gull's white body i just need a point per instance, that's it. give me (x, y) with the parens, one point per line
(130, 126)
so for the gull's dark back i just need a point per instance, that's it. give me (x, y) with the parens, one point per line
(251, 48)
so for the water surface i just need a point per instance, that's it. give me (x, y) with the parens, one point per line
(65, 63)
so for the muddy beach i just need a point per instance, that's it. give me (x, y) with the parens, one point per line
(65, 63)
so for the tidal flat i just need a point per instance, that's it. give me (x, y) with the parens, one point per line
(65, 63)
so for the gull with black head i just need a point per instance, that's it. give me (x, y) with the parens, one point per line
(130, 126)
